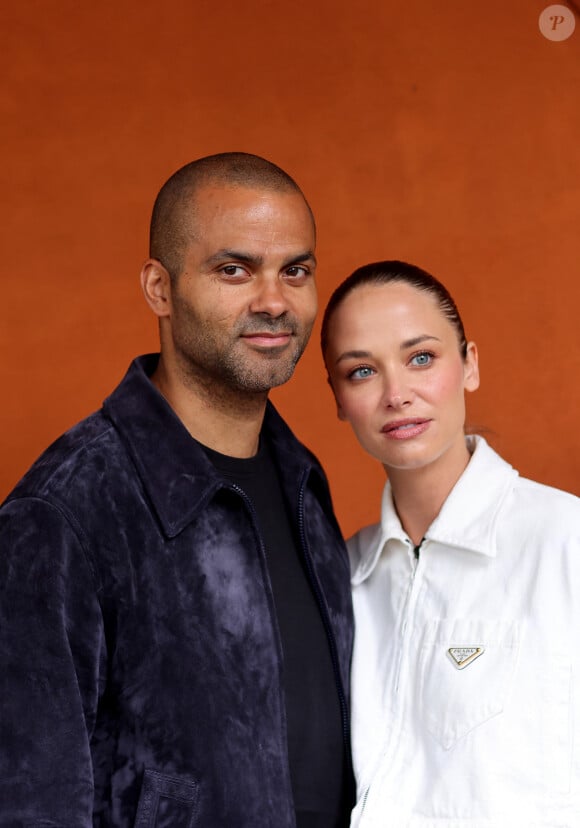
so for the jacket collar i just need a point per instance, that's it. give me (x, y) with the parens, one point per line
(467, 520)
(175, 472)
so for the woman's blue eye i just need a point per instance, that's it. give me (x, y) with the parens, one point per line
(421, 359)
(361, 373)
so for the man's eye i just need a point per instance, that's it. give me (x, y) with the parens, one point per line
(424, 358)
(233, 271)
(361, 373)
(297, 271)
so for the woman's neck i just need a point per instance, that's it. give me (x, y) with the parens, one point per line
(419, 494)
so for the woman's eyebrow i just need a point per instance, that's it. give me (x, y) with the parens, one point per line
(353, 355)
(408, 343)
(416, 340)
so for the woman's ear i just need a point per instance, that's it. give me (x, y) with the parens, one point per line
(471, 368)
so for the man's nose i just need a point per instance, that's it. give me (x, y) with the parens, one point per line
(270, 296)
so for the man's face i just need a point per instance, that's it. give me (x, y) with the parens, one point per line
(243, 306)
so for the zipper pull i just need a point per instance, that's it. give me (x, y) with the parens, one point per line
(417, 549)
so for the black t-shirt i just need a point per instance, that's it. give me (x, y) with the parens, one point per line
(314, 722)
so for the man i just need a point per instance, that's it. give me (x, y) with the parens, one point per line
(175, 618)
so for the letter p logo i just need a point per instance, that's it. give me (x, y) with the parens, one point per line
(557, 23)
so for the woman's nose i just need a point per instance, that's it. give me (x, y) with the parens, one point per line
(396, 393)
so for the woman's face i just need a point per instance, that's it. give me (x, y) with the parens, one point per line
(398, 376)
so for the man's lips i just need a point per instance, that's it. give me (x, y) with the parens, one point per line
(406, 428)
(268, 339)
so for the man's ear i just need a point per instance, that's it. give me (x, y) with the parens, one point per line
(471, 368)
(156, 286)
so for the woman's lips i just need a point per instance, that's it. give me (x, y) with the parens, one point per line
(406, 429)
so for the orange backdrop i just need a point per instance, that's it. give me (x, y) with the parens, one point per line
(446, 134)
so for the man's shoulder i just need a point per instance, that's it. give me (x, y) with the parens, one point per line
(71, 461)
(89, 452)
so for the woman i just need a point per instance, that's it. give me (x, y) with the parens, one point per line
(466, 668)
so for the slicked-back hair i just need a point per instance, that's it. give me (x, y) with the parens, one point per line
(173, 218)
(383, 273)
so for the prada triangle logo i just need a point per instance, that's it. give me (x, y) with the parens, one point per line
(461, 657)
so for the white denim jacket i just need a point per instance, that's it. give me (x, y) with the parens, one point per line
(466, 665)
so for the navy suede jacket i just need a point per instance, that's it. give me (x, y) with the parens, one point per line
(140, 661)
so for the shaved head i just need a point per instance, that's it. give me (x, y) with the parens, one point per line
(173, 223)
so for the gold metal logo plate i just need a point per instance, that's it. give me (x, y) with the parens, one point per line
(461, 657)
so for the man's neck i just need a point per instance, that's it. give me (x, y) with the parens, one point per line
(223, 420)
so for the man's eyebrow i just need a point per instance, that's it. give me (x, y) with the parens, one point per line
(308, 255)
(225, 255)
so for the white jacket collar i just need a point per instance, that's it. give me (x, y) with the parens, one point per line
(467, 519)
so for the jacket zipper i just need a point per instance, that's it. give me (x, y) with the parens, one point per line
(409, 607)
(323, 612)
(326, 622)
(274, 621)
(407, 614)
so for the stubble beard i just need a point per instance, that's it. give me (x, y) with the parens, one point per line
(232, 374)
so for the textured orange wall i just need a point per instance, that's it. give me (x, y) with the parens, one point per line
(445, 134)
